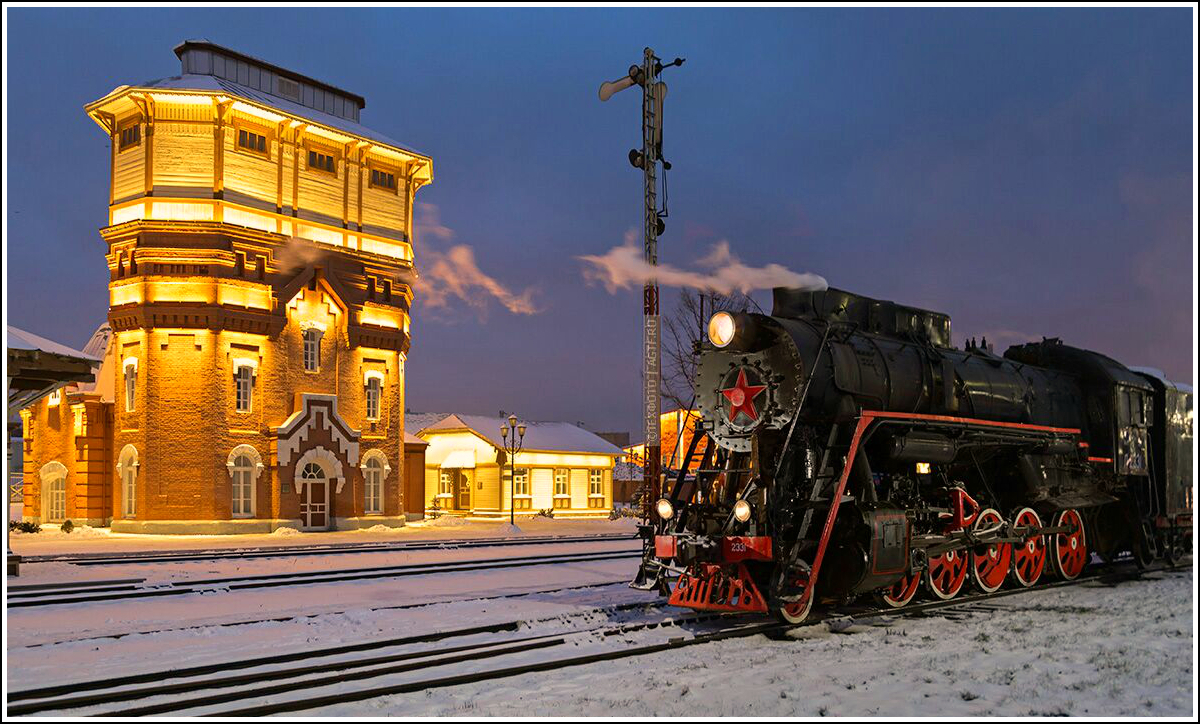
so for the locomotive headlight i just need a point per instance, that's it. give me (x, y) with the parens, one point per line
(721, 329)
(741, 511)
(665, 509)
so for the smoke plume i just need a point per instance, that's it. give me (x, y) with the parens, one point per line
(452, 273)
(623, 267)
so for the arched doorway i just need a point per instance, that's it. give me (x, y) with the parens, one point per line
(54, 492)
(314, 496)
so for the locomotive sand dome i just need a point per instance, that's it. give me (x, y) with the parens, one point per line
(857, 452)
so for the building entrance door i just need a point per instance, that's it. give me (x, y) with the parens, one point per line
(314, 504)
(464, 490)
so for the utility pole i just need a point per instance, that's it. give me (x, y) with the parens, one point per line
(654, 92)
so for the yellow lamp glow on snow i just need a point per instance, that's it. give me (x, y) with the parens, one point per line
(721, 329)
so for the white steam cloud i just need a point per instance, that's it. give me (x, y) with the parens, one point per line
(452, 273)
(623, 267)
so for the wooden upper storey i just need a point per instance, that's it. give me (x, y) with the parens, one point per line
(200, 147)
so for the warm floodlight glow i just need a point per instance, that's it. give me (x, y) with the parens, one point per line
(664, 509)
(741, 511)
(923, 468)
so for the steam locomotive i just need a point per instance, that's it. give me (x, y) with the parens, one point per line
(847, 449)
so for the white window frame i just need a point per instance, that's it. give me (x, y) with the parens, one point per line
(374, 396)
(243, 382)
(127, 469)
(241, 498)
(244, 462)
(312, 349)
(131, 370)
(521, 483)
(566, 482)
(596, 483)
(373, 487)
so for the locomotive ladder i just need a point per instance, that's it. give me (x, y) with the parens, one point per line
(800, 562)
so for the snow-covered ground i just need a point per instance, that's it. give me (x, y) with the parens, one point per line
(1089, 650)
(52, 541)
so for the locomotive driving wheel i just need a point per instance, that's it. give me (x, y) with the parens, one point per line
(901, 592)
(796, 611)
(990, 564)
(1068, 551)
(1029, 559)
(946, 574)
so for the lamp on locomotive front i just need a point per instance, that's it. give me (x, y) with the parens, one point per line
(721, 329)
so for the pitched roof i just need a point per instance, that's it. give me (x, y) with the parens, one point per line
(20, 339)
(415, 422)
(213, 84)
(541, 436)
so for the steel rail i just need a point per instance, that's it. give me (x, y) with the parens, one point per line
(116, 559)
(415, 660)
(67, 696)
(84, 595)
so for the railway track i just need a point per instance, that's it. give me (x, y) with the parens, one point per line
(303, 681)
(109, 559)
(130, 589)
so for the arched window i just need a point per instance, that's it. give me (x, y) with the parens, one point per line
(312, 471)
(56, 502)
(312, 349)
(242, 501)
(244, 464)
(373, 490)
(54, 492)
(127, 468)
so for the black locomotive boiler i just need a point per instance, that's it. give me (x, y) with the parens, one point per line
(849, 449)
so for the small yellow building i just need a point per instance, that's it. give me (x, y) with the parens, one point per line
(561, 467)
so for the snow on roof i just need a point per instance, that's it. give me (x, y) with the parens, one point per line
(411, 439)
(1155, 372)
(542, 436)
(210, 83)
(415, 422)
(20, 339)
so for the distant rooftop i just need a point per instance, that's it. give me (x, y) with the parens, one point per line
(539, 436)
(203, 57)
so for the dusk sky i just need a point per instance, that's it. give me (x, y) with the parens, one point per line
(1028, 172)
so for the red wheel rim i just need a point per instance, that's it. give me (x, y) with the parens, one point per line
(1029, 559)
(946, 574)
(1070, 549)
(797, 611)
(989, 565)
(903, 591)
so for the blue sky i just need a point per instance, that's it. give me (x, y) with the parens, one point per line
(1027, 171)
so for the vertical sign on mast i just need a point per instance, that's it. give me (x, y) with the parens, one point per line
(653, 94)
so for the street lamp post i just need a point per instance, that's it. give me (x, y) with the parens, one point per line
(511, 448)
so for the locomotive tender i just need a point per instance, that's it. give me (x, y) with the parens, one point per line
(849, 449)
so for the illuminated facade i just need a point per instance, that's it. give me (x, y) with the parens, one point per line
(678, 428)
(260, 267)
(561, 467)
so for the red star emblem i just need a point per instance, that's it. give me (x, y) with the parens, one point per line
(741, 397)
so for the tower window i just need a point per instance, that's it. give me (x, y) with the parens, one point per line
(383, 180)
(373, 489)
(244, 381)
(251, 141)
(312, 350)
(374, 391)
(321, 162)
(130, 386)
(387, 290)
(130, 136)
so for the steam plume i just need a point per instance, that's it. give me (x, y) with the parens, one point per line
(452, 273)
(623, 267)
